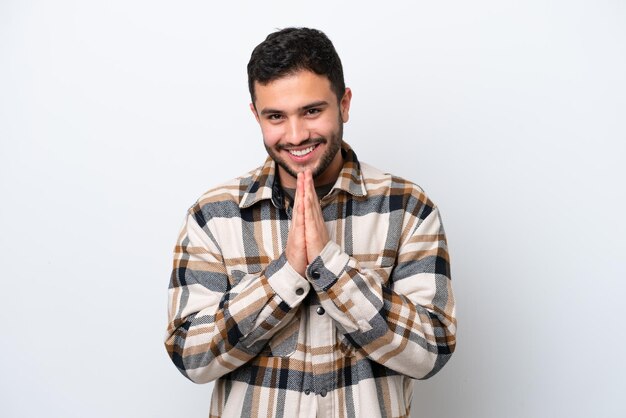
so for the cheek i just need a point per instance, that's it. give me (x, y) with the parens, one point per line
(271, 135)
(325, 127)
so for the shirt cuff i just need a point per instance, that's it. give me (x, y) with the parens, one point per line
(286, 282)
(323, 272)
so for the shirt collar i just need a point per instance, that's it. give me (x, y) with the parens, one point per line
(263, 183)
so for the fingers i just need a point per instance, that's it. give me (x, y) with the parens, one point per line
(296, 242)
(316, 235)
(296, 219)
(312, 202)
(308, 234)
(310, 198)
(301, 194)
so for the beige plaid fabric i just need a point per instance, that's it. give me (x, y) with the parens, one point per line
(374, 311)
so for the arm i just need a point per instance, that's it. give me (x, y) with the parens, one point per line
(213, 326)
(406, 323)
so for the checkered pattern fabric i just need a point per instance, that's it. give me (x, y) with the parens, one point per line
(374, 312)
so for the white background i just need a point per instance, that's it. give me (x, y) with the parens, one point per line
(115, 116)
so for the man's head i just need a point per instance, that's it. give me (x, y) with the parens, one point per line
(292, 50)
(301, 103)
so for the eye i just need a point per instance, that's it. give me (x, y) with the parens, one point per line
(275, 116)
(313, 111)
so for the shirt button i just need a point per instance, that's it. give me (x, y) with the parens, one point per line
(307, 392)
(323, 392)
(315, 274)
(320, 311)
(299, 291)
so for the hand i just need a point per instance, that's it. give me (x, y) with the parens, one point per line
(296, 244)
(315, 233)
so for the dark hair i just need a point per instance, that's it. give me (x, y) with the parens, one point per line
(290, 50)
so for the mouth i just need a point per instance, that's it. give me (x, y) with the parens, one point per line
(303, 154)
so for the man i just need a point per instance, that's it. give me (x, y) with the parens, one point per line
(315, 285)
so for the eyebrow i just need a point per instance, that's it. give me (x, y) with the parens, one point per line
(319, 103)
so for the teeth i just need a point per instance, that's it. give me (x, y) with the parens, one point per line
(302, 152)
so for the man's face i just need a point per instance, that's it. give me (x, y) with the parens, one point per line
(302, 125)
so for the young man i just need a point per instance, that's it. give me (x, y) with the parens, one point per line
(315, 285)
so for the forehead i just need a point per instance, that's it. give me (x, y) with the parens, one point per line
(294, 90)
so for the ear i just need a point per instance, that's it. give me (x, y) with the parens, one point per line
(254, 112)
(344, 105)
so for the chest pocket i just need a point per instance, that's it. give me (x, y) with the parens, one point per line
(285, 342)
(381, 275)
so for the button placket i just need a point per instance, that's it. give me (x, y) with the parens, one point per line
(322, 337)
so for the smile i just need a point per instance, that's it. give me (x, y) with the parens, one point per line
(302, 152)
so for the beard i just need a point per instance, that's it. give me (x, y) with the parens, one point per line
(333, 146)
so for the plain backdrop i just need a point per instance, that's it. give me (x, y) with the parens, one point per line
(116, 115)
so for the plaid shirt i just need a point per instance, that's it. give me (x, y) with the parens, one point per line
(374, 311)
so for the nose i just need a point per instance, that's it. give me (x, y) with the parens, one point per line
(296, 131)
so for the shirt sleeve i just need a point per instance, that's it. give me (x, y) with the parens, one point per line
(216, 322)
(405, 321)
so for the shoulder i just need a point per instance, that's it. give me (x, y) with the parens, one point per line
(227, 196)
(378, 182)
